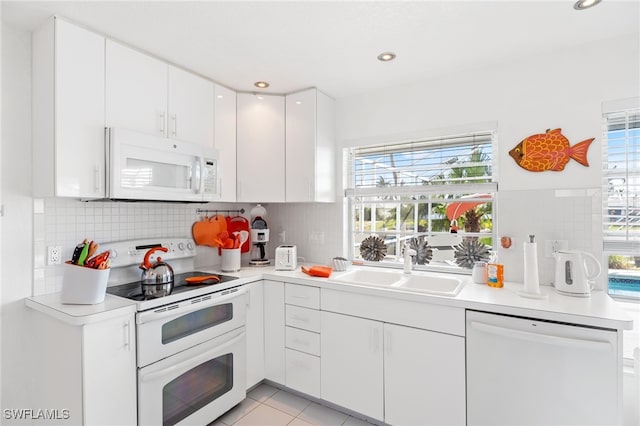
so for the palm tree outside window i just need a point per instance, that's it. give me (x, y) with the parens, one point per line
(400, 193)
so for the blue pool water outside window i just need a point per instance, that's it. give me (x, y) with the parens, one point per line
(621, 199)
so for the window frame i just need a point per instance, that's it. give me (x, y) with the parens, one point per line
(628, 245)
(491, 187)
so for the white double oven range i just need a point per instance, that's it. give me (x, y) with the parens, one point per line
(191, 343)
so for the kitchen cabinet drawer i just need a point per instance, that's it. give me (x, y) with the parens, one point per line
(302, 295)
(302, 340)
(303, 372)
(307, 319)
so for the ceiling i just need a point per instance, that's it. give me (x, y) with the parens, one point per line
(333, 45)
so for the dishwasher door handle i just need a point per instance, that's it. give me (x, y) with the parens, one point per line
(547, 339)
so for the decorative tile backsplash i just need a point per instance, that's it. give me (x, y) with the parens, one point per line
(573, 215)
(66, 222)
(316, 228)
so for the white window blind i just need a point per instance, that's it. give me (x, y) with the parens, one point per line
(400, 191)
(621, 185)
(422, 167)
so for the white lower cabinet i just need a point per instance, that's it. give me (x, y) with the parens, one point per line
(274, 365)
(88, 370)
(395, 361)
(255, 333)
(424, 377)
(351, 363)
(398, 374)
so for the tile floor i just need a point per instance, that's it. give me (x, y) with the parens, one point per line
(266, 405)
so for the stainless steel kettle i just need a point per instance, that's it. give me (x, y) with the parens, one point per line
(157, 278)
(572, 274)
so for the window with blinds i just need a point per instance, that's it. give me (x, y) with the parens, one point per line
(621, 201)
(433, 194)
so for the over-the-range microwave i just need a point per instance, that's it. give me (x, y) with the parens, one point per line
(148, 167)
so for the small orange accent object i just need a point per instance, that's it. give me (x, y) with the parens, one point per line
(505, 242)
(317, 271)
(495, 275)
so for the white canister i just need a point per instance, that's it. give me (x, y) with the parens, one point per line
(230, 260)
(479, 273)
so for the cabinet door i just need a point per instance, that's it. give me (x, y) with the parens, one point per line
(274, 335)
(255, 334)
(191, 107)
(79, 169)
(310, 147)
(351, 362)
(300, 146)
(225, 140)
(136, 90)
(80, 156)
(424, 377)
(110, 374)
(260, 150)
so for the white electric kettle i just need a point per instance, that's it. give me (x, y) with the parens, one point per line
(572, 274)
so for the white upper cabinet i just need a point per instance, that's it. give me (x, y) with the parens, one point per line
(68, 111)
(261, 148)
(225, 140)
(148, 95)
(136, 90)
(310, 147)
(191, 107)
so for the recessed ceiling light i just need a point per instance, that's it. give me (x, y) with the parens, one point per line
(220, 96)
(298, 102)
(585, 4)
(261, 84)
(386, 56)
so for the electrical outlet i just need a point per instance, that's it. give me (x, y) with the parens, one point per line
(54, 255)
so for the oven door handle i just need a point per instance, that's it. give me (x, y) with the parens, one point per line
(154, 315)
(192, 361)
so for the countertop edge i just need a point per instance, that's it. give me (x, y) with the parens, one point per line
(79, 315)
(599, 310)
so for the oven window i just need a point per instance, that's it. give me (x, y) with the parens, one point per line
(196, 388)
(196, 321)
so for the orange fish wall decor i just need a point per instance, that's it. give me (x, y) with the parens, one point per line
(549, 151)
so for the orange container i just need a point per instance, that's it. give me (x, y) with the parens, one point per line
(495, 275)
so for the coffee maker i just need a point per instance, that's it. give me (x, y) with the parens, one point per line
(259, 236)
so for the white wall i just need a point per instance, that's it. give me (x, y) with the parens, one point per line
(16, 275)
(562, 89)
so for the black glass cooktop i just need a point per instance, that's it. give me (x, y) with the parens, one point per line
(133, 290)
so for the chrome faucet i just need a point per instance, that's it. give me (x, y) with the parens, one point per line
(408, 252)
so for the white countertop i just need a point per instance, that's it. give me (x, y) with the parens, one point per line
(599, 310)
(51, 305)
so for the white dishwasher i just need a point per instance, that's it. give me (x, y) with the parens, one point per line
(531, 372)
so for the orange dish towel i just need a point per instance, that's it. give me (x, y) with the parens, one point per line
(317, 271)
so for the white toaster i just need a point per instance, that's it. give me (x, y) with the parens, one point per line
(286, 258)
